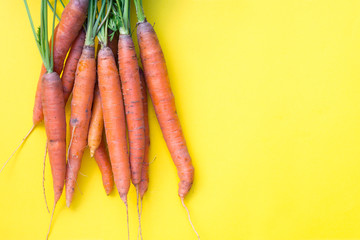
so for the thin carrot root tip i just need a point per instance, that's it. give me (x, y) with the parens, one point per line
(51, 219)
(20, 144)
(192, 225)
(138, 211)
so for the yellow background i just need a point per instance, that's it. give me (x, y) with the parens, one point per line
(268, 93)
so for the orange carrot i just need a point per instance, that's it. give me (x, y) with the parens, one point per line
(66, 31)
(96, 123)
(130, 81)
(103, 161)
(157, 80)
(80, 116)
(55, 125)
(114, 119)
(143, 185)
(72, 60)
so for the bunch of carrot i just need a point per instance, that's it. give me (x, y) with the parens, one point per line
(109, 95)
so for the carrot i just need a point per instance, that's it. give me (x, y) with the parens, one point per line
(96, 123)
(158, 83)
(55, 125)
(72, 60)
(143, 185)
(130, 81)
(80, 116)
(103, 161)
(66, 31)
(82, 101)
(114, 119)
(164, 104)
(114, 114)
(53, 104)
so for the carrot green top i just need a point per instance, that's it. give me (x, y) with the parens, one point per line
(41, 36)
(120, 17)
(139, 11)
(93, 22)
(103, 28)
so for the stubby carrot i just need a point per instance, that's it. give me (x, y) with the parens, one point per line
(103, 161)
(96, 123)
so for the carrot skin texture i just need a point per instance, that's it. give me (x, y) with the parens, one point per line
(96, 123)
(80, 116)
(143, 185)
(68, 75)
(158, 83)
(38, 114)
(114, 120)
(103, 161)
(55, 125)
(131, 88)
(71, 22)
(65, 33)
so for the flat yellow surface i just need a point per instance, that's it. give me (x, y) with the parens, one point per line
(268, 93)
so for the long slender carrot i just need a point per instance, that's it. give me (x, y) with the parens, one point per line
(72, 60)
(81, 103)
(157, 80)
(144, 183)
(80, 116)
(55, 125)
(53, 104)
(113, 111)
(114, 119)
(96, 123)
(130, 81)
(103, 161)
(67, 30)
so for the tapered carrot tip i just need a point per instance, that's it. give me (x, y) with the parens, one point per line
(108, 190)
(92, 152)
(68, 202)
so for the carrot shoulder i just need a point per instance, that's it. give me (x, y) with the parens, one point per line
(158, 83)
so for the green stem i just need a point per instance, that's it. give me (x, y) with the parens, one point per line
(126, 16)
(52, 38)
(89, 40)
(53, 10)
(62, 3)
(139, 11)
